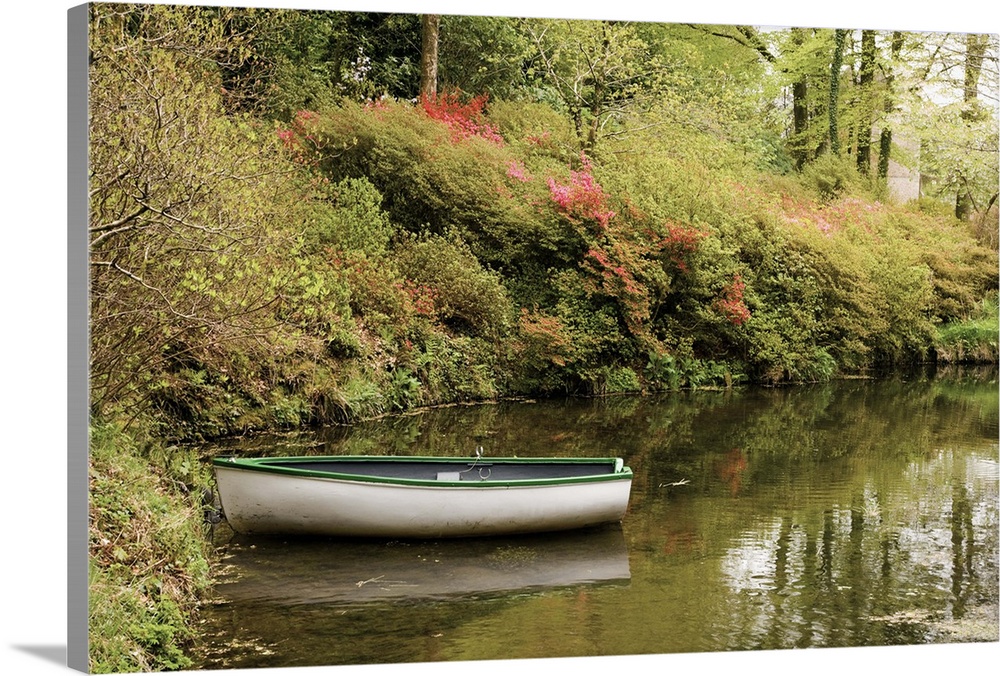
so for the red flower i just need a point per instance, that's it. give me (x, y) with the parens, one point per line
(465, 120)
(731, 304)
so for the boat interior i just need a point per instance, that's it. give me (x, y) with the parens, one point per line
(459, 470)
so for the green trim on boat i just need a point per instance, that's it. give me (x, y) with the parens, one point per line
(270, 465)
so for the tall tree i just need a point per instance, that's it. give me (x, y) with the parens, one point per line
(430, 27)
(951, 111)
(800, 107)
(840, 37)
(885, 137)
(866, 80)
(598, 70)
(975, 50)
(483, 54)
(804, 65)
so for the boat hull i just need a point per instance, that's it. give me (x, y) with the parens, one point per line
(266, 502)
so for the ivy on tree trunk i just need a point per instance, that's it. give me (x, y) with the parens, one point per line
(866, 80)
(975, 50)
(838, 60)
(885, 138)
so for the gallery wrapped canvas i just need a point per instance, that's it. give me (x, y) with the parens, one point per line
(420, 337)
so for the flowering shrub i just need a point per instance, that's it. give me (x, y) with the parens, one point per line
(377, 105)
(832, 217)
(539, 140)
(300, 138)
(731, 303)
(517, 171)
(612, 270)
(679, 242)
(544, 340)
(421, 296)
(614, 278)
(375, 288)
(466, 120)
(583, 198)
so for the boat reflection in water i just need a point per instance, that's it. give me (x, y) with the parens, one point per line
(302, 571)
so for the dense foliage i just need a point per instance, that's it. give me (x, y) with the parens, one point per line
(616, 223)
(282, 232)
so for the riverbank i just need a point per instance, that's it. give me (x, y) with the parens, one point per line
(150, 558)
(390, 253)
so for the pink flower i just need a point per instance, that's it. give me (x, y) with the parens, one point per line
(583, 198)
(517, 171)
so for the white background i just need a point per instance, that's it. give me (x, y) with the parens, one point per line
(33, 356)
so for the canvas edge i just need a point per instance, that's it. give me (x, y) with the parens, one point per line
(78, 353)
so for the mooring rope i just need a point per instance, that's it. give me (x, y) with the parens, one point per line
(479, 456)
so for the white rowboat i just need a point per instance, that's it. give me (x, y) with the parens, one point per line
(420, 497)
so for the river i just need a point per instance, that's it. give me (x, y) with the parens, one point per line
(853, 513)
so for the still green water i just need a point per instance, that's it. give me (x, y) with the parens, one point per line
(854, 513)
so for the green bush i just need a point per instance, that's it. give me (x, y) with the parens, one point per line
(456, 368)
(974, 339)
(832, 175)
(537, 130)
(347, 215)
(446, 280)
(620, 380)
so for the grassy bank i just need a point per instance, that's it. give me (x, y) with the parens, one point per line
(974, 340)
(149, 554)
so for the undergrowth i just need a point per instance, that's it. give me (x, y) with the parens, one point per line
(149, 560)
(973, 340)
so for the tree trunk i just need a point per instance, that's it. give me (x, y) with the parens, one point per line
(838, 60)
(975, 50)
(866, 81)
(800, 122)
(885, 139)
(429, 29)
(600, 91)
(800, 110)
